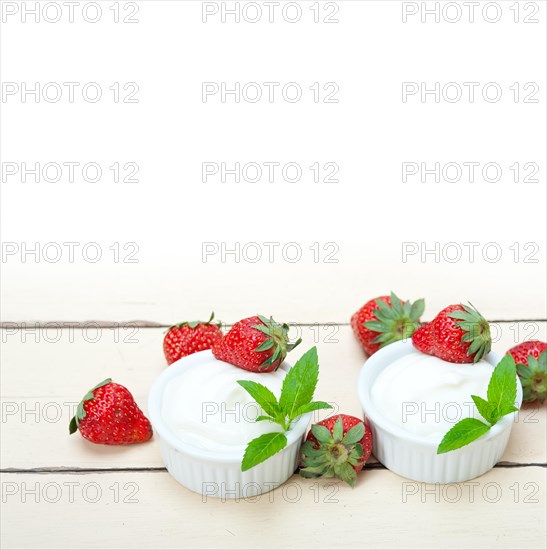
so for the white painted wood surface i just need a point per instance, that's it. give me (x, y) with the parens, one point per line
(162, 276)
(171, 288)
(44, 373)
(373, 515)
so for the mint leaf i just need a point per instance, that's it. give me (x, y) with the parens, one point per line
(507, 410)
(461, 434)
(310, 407)
(263, 396)
(262, 417)
(502, 389)
(296, 399)
(262, 448)
(299, 384)
(501, 393)
(487, 410)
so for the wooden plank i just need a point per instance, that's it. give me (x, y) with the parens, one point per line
(306, 291)
(43, 380)
(151, 510)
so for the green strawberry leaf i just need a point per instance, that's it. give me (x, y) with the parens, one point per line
(346, 473)
(80, 411)
(299, 384)
(383, 338)
(317, 460)
(73, 426)
(262, 448)
(319, 470)
(338, 430)
(418, 308)
(383, 310)
(524, 371)
(502, 389)
(321, 433)
(357, 451)
(263, 396)
(266, 345)
(308, 448)
(376, 326)
(461, 434)
(396, 304)
(355, 434)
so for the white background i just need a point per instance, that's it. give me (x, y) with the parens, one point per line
(369, 133)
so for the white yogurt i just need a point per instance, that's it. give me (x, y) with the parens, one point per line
(426, 396)
(206, 407)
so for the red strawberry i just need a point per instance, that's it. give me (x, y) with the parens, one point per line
(109, 415)
(188, 337)
(385, 320)
(531, 360)
(257, 344)
(520, 352)
(459, 334)
(338, 447)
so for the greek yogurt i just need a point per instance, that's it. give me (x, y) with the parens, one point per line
(206, 407)
(426, 396)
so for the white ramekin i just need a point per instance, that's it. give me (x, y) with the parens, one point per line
(219, 475)
(413, 456)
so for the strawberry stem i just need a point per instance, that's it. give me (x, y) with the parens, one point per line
(278, 341)
(80, 411)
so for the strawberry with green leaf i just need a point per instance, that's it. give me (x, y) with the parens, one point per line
(337, 447)
(295, 400)
(385, 320)
(458, 334)
(256, 344)
(108, 415)
(189, 337)
(531, 360)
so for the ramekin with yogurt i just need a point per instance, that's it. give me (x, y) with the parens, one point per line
(204, 419)
(411, 400)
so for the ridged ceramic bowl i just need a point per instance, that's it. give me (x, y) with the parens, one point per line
(215, 474)
(415, 457)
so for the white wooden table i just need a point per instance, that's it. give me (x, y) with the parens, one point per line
(59, 491)
(362, 236)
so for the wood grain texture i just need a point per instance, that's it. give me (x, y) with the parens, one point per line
(134, 503)
(181, 285)
(504, 508)
(42, 381)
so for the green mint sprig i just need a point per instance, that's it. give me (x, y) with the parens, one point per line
(295, 399)
(501, 396)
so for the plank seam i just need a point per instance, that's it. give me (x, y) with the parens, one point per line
(33, 325)
(373, 466)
